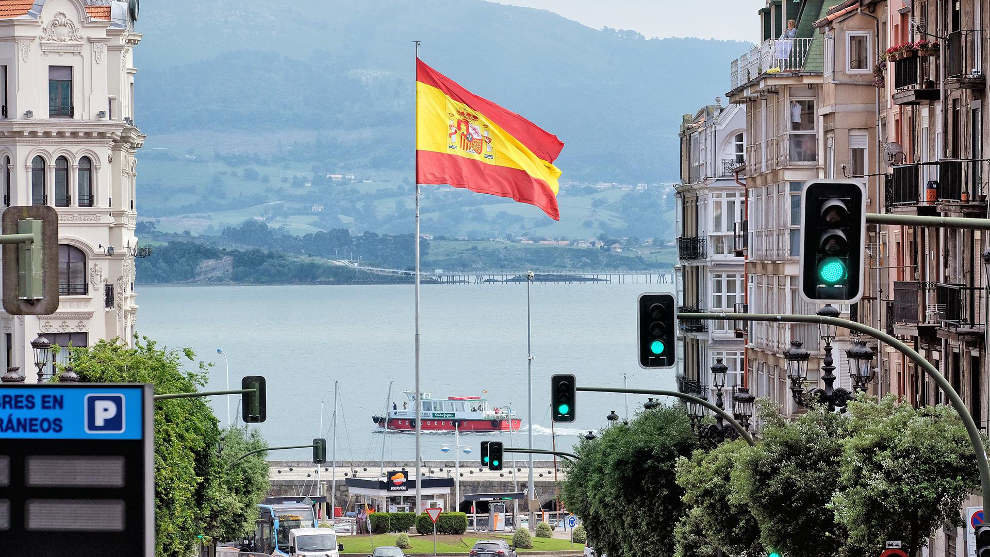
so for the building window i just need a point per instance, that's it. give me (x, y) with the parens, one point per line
(727, 291)
(6, 181)
(61, 182)
(60, 92)
(85, 195)
(802, 131)
(858, 52)
(857, 152)
(740, 149)
(38, 196)
(65, 342)
(795, 221)
(71, 271)
(734, 378)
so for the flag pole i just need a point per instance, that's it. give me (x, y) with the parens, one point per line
(419, 422)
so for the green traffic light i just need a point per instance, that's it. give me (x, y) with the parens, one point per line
(832, 270)
(495, 463)
(486, 460)
(774, 554)
(657, 347)
(563, 409)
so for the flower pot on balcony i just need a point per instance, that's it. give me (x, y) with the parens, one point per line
(928, 52)
(964, 197)
(895, 56)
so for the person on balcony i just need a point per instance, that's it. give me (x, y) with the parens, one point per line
(785, 45)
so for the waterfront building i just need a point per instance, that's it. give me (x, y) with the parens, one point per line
(710, 267)
(68, 140)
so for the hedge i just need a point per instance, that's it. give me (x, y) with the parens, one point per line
(382, 523)
(447, 523)
(543, 530)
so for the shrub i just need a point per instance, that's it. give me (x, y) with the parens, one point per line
(402, 541)
(452, 523)
(579, 535)
(543, 530)
(424, 525)
(522, 540)
(401, 522)
(379, 523)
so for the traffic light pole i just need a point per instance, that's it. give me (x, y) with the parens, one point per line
(954, 399)
(937, 222)
(540, 451)
(720, 412)
(204, 393)
(256, 451)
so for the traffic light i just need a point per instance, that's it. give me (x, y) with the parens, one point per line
(773, 554)
(30, 268)
(562, 398)
(983, 540)
(656, 330)
(833, 241)
(484, 453)
(319, 451)
(495, 455)
(253, 405)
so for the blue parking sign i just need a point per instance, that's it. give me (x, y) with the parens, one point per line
(105, 413)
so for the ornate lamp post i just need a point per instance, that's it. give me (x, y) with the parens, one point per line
(860, 365)
(42, 348)
(720, 431)
(829, 395)
(590, 436)
(612, 418)
(742, 406)
(697, 413)
(651, 404)
(797, 370)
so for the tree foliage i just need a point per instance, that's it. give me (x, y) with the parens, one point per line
(904, 473)
(708, 498)
(196, 491)
(623, 487)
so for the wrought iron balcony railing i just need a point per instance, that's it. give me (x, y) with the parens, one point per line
(962, 306)
(729, 166)
(962, 58)
(691, 248)
(691, 386)
(692, 325)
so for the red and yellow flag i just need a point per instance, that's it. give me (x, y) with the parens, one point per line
(469, 142)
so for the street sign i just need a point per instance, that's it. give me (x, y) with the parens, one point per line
(572, 521)
(434, 514)
(894, 544)
(974, 518)
(893, 553)
(77, 469)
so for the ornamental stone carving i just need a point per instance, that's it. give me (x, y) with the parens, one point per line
(61, 29)
(95, 276)
(123, 58)
(24, 48)
(99, 52)
(63, 326)
(82, 218)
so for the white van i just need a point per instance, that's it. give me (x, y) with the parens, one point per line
(315, 542)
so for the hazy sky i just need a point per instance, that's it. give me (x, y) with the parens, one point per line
(716, 19)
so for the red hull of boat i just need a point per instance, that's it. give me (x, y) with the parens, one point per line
(396, 424)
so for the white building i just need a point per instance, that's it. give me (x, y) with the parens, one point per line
(68, 139)
(710, 273)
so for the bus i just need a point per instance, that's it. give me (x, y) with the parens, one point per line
(276, 519)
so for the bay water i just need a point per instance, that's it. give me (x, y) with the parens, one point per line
(304, 338)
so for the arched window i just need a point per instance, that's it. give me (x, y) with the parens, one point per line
(71, 271)
(85, 195)
(6, 181)
(61, 182)
(38, 196)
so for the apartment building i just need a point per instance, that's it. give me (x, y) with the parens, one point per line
(709, 218)
(68, 139)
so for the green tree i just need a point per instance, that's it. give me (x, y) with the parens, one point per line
(904, 473)
(708, 498)
(623, 487)
(195, 492)
(235, 485)
(788, 479)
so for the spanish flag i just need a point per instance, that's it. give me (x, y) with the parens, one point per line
(469, 142)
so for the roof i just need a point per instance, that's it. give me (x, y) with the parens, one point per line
(816, 54)
(15, 8)
(18, 8)
(833, 13)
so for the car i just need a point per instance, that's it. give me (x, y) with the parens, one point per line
(387, 551)
(492, 548)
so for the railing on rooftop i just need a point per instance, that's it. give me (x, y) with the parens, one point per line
(772, 56)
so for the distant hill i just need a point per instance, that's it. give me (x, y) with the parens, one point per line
(300, 89)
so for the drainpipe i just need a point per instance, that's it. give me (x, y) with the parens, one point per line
(746, 279)
(880, 206)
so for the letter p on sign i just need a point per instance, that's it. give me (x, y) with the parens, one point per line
(104, 413)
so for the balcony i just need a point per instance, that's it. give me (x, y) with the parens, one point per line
(960, 306)
(689, 249)
(911, 84)
(740, 238)
(962, 68)
(902, 185)
(691, 386)
(692, 325)
(959, 181)
(741, 328)
(774, 56)
(731, 166)
(930, 183)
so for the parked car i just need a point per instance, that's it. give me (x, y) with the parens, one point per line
(492, 548)
(387, 551)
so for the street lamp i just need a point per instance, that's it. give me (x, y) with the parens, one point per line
(651, 404)
(68, 374)
(742, 406)
(719, 431)
(590, 436)
(860, 365)
(612, 418)
(42, 355)
(826, 330)
(797, 369)
(697, 413)
(829, 395)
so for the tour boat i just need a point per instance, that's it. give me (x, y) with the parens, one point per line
(463, 413)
